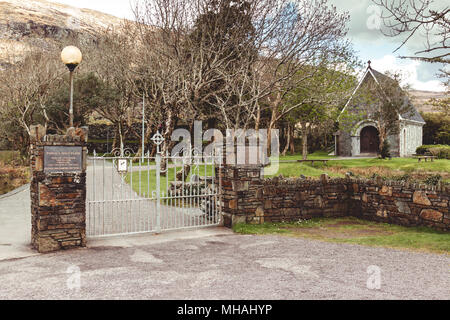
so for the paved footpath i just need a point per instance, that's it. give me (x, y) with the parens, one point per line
(15, 224)
(214, 263)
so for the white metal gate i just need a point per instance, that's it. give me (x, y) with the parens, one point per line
(128, 194)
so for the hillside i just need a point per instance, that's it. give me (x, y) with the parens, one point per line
(420, 98)
(44, 24)
(47, 25)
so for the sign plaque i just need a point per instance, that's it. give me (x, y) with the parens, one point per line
(63, 159)
(122, 165)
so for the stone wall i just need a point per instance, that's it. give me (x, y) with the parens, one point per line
(248, 198)
(58, 199)
(401, 203)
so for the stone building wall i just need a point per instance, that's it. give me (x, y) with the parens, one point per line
(410, 137)
(248, 198)
(58, 200)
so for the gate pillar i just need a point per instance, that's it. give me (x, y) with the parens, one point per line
(58, 189)
(239, 193)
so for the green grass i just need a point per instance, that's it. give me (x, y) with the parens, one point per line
(296, 169)
(403, 164)
(311, 156)
(147, 180)
(363, 167)
(357, 231)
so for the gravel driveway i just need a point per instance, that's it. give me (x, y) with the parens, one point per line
(209, 263)
(225, 266)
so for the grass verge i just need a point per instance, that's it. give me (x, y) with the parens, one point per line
(357, 231)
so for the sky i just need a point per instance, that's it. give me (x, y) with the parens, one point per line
(364, 32)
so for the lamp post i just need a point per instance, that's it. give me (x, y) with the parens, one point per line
(71, 57)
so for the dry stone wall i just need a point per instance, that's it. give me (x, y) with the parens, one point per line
(402, 203)
(248, 198)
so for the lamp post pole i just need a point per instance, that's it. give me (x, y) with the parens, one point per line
(71, 57)
(71, 100)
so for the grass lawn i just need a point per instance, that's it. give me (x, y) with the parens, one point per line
(311, 156)
(364, 167)
(403, 164)
(148, 178)
(357, 231)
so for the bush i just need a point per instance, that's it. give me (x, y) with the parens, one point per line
(13, 158)
(385, 153)
(433, 179)
(438, 150)
(404, 177)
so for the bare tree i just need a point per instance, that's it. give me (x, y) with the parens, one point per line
(24, 91)
(112, 60)
(411, 17)
(224, 58)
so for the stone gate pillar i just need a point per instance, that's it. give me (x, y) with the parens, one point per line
(58, 189)
(241, 194)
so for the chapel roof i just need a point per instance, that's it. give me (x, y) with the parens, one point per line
(379, 77)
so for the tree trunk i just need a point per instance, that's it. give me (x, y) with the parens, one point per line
(258, 117)
(114, 142)
(169, 126)
(122, 146)
(146, 138)
(304, 142)
(292, 144)
(382, 137)
(273, 120)
(288, 139)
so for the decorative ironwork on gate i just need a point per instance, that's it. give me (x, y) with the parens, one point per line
(130, 193)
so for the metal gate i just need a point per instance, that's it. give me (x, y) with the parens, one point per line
(128, 194)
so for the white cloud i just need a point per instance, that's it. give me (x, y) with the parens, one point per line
(408, 71)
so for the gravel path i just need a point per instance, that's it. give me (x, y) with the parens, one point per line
(227, 267)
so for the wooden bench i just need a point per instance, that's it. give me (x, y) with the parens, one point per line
(425, 157)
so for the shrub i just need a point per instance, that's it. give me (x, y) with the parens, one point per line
(385, 153)
(422, 149)
(439, 151)
(433, 179)
(404, 177)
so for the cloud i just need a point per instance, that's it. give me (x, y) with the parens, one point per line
(366, 24)
(409, 70)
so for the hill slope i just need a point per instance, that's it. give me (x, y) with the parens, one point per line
(44, 24)
(420, 99)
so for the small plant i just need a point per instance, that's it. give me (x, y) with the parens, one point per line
(404, 177)
(374, 176)
(433, 179)
(385, 150)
